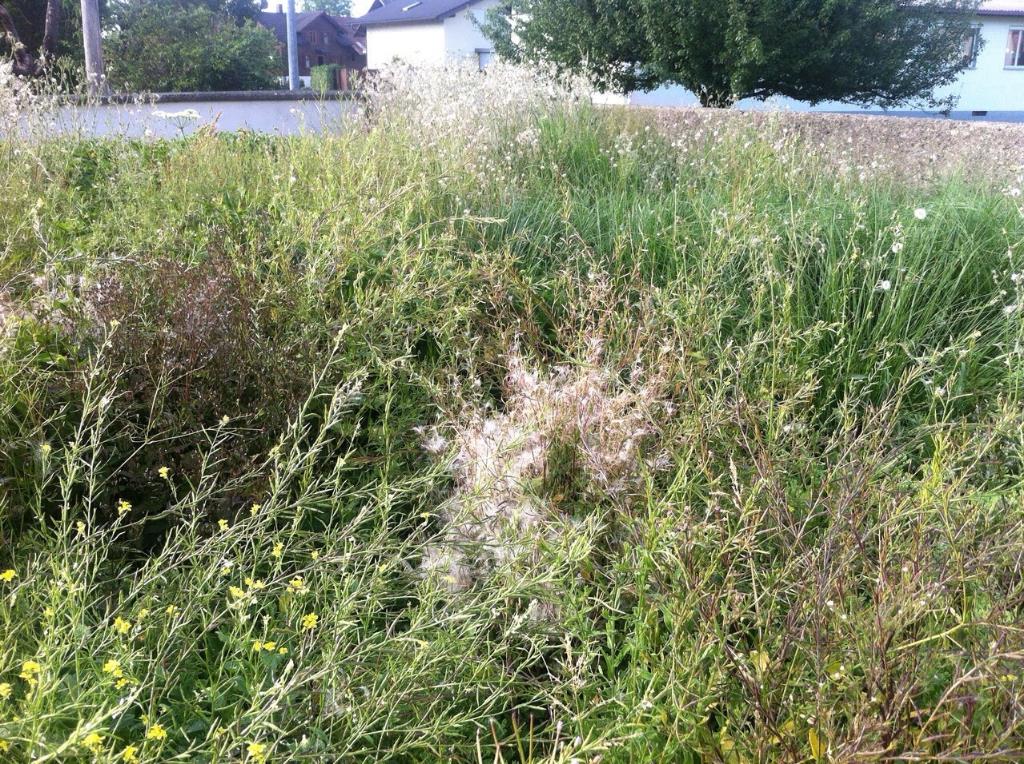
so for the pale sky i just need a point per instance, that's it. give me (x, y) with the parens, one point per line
(359, 7)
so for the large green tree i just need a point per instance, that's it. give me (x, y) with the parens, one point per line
(333, 7)
(885, 52)
(162, 45)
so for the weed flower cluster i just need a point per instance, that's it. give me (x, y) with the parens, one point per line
(462, 110)
(574, 435)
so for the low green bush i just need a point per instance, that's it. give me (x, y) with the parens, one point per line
(324, 78)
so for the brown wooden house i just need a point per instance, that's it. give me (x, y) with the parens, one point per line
(323, 39)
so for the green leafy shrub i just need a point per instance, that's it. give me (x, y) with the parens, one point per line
(187, 47)
(324, 78)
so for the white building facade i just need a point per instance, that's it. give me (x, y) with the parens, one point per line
(427, 33)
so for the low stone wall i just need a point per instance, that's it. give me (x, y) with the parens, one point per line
(167, 115)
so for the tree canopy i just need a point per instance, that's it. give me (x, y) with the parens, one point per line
(163, 45)
(884, 52)
(333, 7)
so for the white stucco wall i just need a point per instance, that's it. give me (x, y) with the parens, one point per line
(284, 117)
(420, 44)
(989, 86)
(462, 37)
(429, 43)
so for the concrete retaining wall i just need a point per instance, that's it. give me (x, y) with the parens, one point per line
(168, 115)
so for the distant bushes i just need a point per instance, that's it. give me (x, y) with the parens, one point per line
(324, 78)
(157, 46)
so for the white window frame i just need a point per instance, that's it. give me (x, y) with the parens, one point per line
(1018, 55)
(972, 62)
(484, 58)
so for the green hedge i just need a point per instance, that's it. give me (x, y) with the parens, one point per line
(324, 78)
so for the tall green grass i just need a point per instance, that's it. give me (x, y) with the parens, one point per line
(221, 357)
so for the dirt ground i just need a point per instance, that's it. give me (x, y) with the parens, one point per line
(911, 149)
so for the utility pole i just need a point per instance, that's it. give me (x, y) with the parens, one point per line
(93, 47)
(293, 46)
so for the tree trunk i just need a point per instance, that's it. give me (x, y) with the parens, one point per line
(51, 32)
(93, 47)
(715, 99)
(27, 63)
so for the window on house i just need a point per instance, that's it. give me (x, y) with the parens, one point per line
(1015, 49)
(971, 44)
(319, 60)
(484, 58)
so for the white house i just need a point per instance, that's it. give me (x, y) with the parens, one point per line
(426, 32)
(435, 31)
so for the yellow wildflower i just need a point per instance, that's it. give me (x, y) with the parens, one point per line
(30, 672)
(270, 646)
(257, 646)
(80, 526)
(222, 524)
(121, 626)
(5, 690)
(94, 742)
(282, 651)
(760, 660)
(45, 449)
(236, 591)
(171, 609)
(165, 473)
(5, 746)
(309, 621)
(257, 752)
(124, 507)
(113, 667)
(143, 613)
(156, 732)
(278, 549)
(225, 419)
(8, 575)
(255, 508)
(297, 585)
(130, 755)
(255, 584)
(315, 555)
